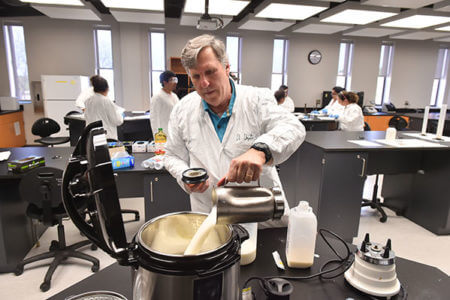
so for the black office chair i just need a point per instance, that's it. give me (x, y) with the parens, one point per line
(44, 127)
(398, 122)
(72, 112)
(41, 187)
(375, 202)
(366, 126)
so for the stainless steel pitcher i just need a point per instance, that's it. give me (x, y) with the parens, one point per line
(242, 204)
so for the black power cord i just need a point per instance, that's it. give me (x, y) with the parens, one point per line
(343, 262)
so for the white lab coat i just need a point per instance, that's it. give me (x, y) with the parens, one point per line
(288, 104)
(99, 107)
(161, 106)
(352, 119)
(84, 95)
(334, 108)
(256, 117)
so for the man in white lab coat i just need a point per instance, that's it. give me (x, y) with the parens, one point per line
(237, 133)
(100, 107)
(163, 101)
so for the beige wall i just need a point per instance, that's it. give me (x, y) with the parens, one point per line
(66, 47)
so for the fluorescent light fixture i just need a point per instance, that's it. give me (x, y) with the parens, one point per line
(321, 28)
(138, 17)
(419, 35)
(372, 32)
(58, 2)
(289, 11)
(400, 3)
(445, 28)
(157, 5)
(266, 25)
(68, 13)
(417, 21)
(358, 16)
(216, 7)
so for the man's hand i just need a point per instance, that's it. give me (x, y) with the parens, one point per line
(245, 168)
(197, 188)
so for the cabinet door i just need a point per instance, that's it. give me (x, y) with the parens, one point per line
(163, 195)
(342, 184)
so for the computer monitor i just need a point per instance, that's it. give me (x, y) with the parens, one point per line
(361, 98)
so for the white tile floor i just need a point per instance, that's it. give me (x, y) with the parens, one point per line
(408, 239)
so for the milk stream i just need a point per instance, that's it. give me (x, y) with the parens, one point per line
(202, 233)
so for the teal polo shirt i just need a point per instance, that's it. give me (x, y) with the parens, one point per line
(221, 123)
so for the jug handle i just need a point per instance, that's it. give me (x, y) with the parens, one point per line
(226, 182)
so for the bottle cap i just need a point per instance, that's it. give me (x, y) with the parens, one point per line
(303, 205)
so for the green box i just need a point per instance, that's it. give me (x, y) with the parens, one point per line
(25, 164)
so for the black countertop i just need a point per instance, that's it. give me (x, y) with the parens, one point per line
(338, 140)
(431, 116)
(5, 112)
(419, 280)
(58, 157)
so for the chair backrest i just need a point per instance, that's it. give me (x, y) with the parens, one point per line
(398, 122)
(45, 127)
(72, 112)
(42, 188)
(366, 126)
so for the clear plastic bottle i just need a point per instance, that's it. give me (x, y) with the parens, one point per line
(301, 236)
(160, 142)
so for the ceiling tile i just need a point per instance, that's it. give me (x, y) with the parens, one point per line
(138, 17)
(322, 28)
(400, 3)
(420, 35)
(191, 20)
(442, 6)
(216, 7)
(373, 32)
(65, 12)
(157, 5)
(266, 25)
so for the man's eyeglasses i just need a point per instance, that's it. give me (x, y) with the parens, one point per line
(173, 79)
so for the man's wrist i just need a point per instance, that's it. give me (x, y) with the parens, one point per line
(264, 148)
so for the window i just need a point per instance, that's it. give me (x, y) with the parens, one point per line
(279, 63)
(384, 74)
(17, 61)
(104, 58)
(440, 78)
(344, 76)
(157, 59)
(234, 47)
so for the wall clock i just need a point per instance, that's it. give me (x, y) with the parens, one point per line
(314, 57)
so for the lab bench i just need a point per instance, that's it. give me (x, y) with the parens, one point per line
(419, 280)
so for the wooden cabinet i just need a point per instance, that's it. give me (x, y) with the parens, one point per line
(12, 131)
(184, 85)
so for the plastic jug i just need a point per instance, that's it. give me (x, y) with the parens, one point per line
(391, 133)
(248, 247)
(301, 236)
(160, 141)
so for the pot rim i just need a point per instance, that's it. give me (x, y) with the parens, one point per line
(206, 253)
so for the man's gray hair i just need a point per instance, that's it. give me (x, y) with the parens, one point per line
(193, 47)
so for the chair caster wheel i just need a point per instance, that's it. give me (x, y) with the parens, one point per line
(45, 286)
(383, 219)
(95, 268)
(53, 246)
(18, 271)
(94, 247)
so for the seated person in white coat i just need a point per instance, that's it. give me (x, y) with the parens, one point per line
(100, 107)
(237, 133)
(352, 118)
(163, 101)
(288, 103)
(280, 96)
(334, 107)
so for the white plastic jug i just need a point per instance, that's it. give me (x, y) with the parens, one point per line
(391, 133)
(301, 236)
(248, 248)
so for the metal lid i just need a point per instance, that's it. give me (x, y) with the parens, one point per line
(90, 178)
(376, 254)
(98, 295)
(194, 175)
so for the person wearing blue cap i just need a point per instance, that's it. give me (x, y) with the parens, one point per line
(163, 101)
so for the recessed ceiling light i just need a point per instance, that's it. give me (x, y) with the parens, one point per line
(358, 16)
(135, 4)
(289, 11)
(216, 7)
(417, 21)
(445, 28)
(59, 2)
